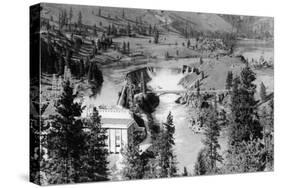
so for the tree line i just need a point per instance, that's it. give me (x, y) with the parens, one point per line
(74, 147)
(250, 131)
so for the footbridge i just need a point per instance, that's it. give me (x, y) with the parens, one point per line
(186, 91)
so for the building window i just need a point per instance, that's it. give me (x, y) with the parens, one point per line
(117, 141)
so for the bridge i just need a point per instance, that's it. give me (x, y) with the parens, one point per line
(178, 92)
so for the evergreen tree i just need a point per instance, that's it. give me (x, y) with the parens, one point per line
(167, 158)
(202, 75)
(39, 165)
(235, 112)
(129, 29)
(90, 72)
(123, 14)
(185, 173)
(156, 37)
(245, 156)
(94, 74)
(95, 157)
(124, 47)
(70, 14)
(133, 163)
(188, 43)
(229, 79)
(212, 132)
(128, 47)
(200, 167)
(245, 127)
(201, 60)
(249, 117)
(95, 30)
(150, 29)
(61, 65)
(267, 118)
(262, 92)
(79, 21)
(269, 138)
(244, 118)
(198, 88)
(81, 68)
(66, 139)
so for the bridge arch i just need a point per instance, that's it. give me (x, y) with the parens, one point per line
(169, 92)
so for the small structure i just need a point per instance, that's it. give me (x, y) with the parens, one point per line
(120, 127)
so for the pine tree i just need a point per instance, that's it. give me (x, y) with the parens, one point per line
(95, 157)
(124, 47)
(262, 92)
(79, 21)
(70, 14)
(200, 167)
(245, 156)
(229, 80)
(123, 14)
(251, 126)
(269, 138)
(266, 119)
(129, 29)
(245, 128)
(201, 60)
(90, 72)
(167, 157)
(185, 173)
(95, 30)
(212, 132)
(156, 37)
(109, 30)
(198, 88)
(81, 68)
(202, 75)
(244, 118)
(66, 139)
(235, 129)
(133, 163)
(60, 67)
(150, 29)
(94, 74)
(188, 43)
(128, 47)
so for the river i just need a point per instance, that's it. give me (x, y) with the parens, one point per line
(187, 143)
(255, 49)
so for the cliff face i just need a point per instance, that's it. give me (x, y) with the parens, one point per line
(135, 90)
(48, 58)
(138, 76)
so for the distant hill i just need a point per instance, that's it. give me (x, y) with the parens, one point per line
(173, 20)
(251, 26)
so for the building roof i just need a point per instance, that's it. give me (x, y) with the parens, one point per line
(120, 123)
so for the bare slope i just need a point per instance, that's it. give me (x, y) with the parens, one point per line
(178, 20)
